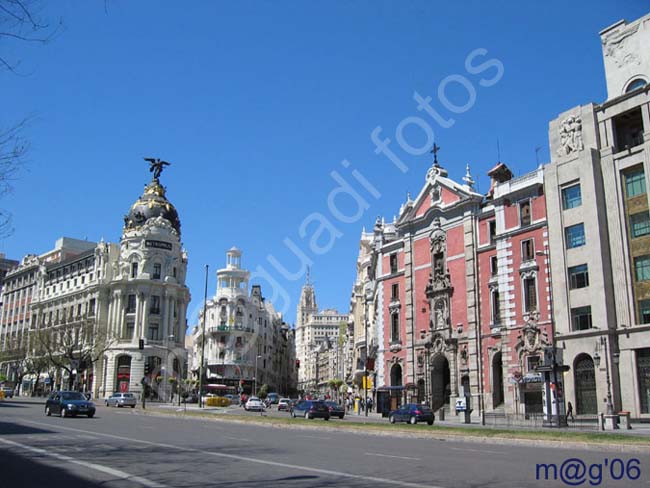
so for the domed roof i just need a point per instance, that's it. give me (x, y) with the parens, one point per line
(151, 204)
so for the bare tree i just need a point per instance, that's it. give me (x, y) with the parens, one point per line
(75, 346)
(14, 354)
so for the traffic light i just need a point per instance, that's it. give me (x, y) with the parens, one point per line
(147, 368)
(297, 363)
(141, 344)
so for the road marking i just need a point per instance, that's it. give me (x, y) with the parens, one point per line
(315, 437)
(97, 467)
(391, 456)
(475, 450)
(236, 457)
(237, 438)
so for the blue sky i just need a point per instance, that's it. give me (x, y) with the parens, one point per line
(256, 104)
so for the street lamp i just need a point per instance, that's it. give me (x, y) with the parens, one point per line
(603, 343)
(205, 305)
(255, 377)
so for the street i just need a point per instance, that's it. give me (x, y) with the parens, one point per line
(123, 447)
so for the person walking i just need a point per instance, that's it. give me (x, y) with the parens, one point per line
(569, 411)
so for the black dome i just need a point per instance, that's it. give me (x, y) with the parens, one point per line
(152, 203)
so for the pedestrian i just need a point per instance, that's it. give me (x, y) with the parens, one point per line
(569, 411)
(369, 403)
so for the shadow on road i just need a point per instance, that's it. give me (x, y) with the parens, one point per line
(24, 472)
(7, 428)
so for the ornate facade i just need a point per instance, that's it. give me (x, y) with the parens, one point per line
(454, 295)
(244, 335)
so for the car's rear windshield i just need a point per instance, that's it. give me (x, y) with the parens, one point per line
(73, 395)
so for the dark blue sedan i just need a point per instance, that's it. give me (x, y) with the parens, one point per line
(412, 413)
(69, 404)
(311, 409)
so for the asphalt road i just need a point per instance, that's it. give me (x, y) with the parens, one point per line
(124, 448)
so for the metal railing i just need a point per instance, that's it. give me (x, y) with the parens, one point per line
(536, 421)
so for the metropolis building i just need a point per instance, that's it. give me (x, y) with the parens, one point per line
(132, 293)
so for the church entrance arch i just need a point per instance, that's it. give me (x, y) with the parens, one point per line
(440, 381)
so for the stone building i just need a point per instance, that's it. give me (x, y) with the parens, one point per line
(452, 293)
(319, 352)
(132, 295)
(244, 335)
(596, 188)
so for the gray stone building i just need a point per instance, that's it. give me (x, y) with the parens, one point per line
(599, 232)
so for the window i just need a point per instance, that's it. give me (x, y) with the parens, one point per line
(635, 183)
(134, 270)
(640, 224)
(581, 318)
(496, 308)
(91, 307)
(644, 311)
(394, 291)
(152, 332)
(393, 263)
(635, 84)
(524, 213)
(394, 327)
(531, 363)
(155, 304)
(578, 276)
(156, 271)
(530, 294)
(130, 327)
(527, 250)
(130, 304)
(571, 197)
(494, 265)
(492, 230)
(174, 271)
(642, 268)
(575, 236)
(628, 129)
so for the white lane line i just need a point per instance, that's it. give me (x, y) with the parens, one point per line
(315, 437)
(391, 456)
(475, 450)
(236, 438)
(298, 467)
(97, 467)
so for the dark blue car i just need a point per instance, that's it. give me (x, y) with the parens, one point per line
(311, 409)
(412, 413)
(69, 404)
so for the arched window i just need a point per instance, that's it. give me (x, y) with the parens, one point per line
(634, 84)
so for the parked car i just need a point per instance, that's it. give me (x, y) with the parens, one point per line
(254, 404)
(121, 400)
(311, 409)
(284, 404)
(412, 413)
(8, 391)
(335, 409)
(69, 404)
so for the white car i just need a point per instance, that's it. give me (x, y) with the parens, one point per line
(284, 404)
(254, 404)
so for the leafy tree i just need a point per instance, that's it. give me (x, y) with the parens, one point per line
(263, 391)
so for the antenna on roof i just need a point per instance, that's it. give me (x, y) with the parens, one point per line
(537, 149)
(308, 273)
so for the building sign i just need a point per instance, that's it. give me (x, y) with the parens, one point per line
(158, 245)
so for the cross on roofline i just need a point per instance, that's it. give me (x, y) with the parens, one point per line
(434, 151)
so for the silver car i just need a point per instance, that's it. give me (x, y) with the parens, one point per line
(121, 400)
